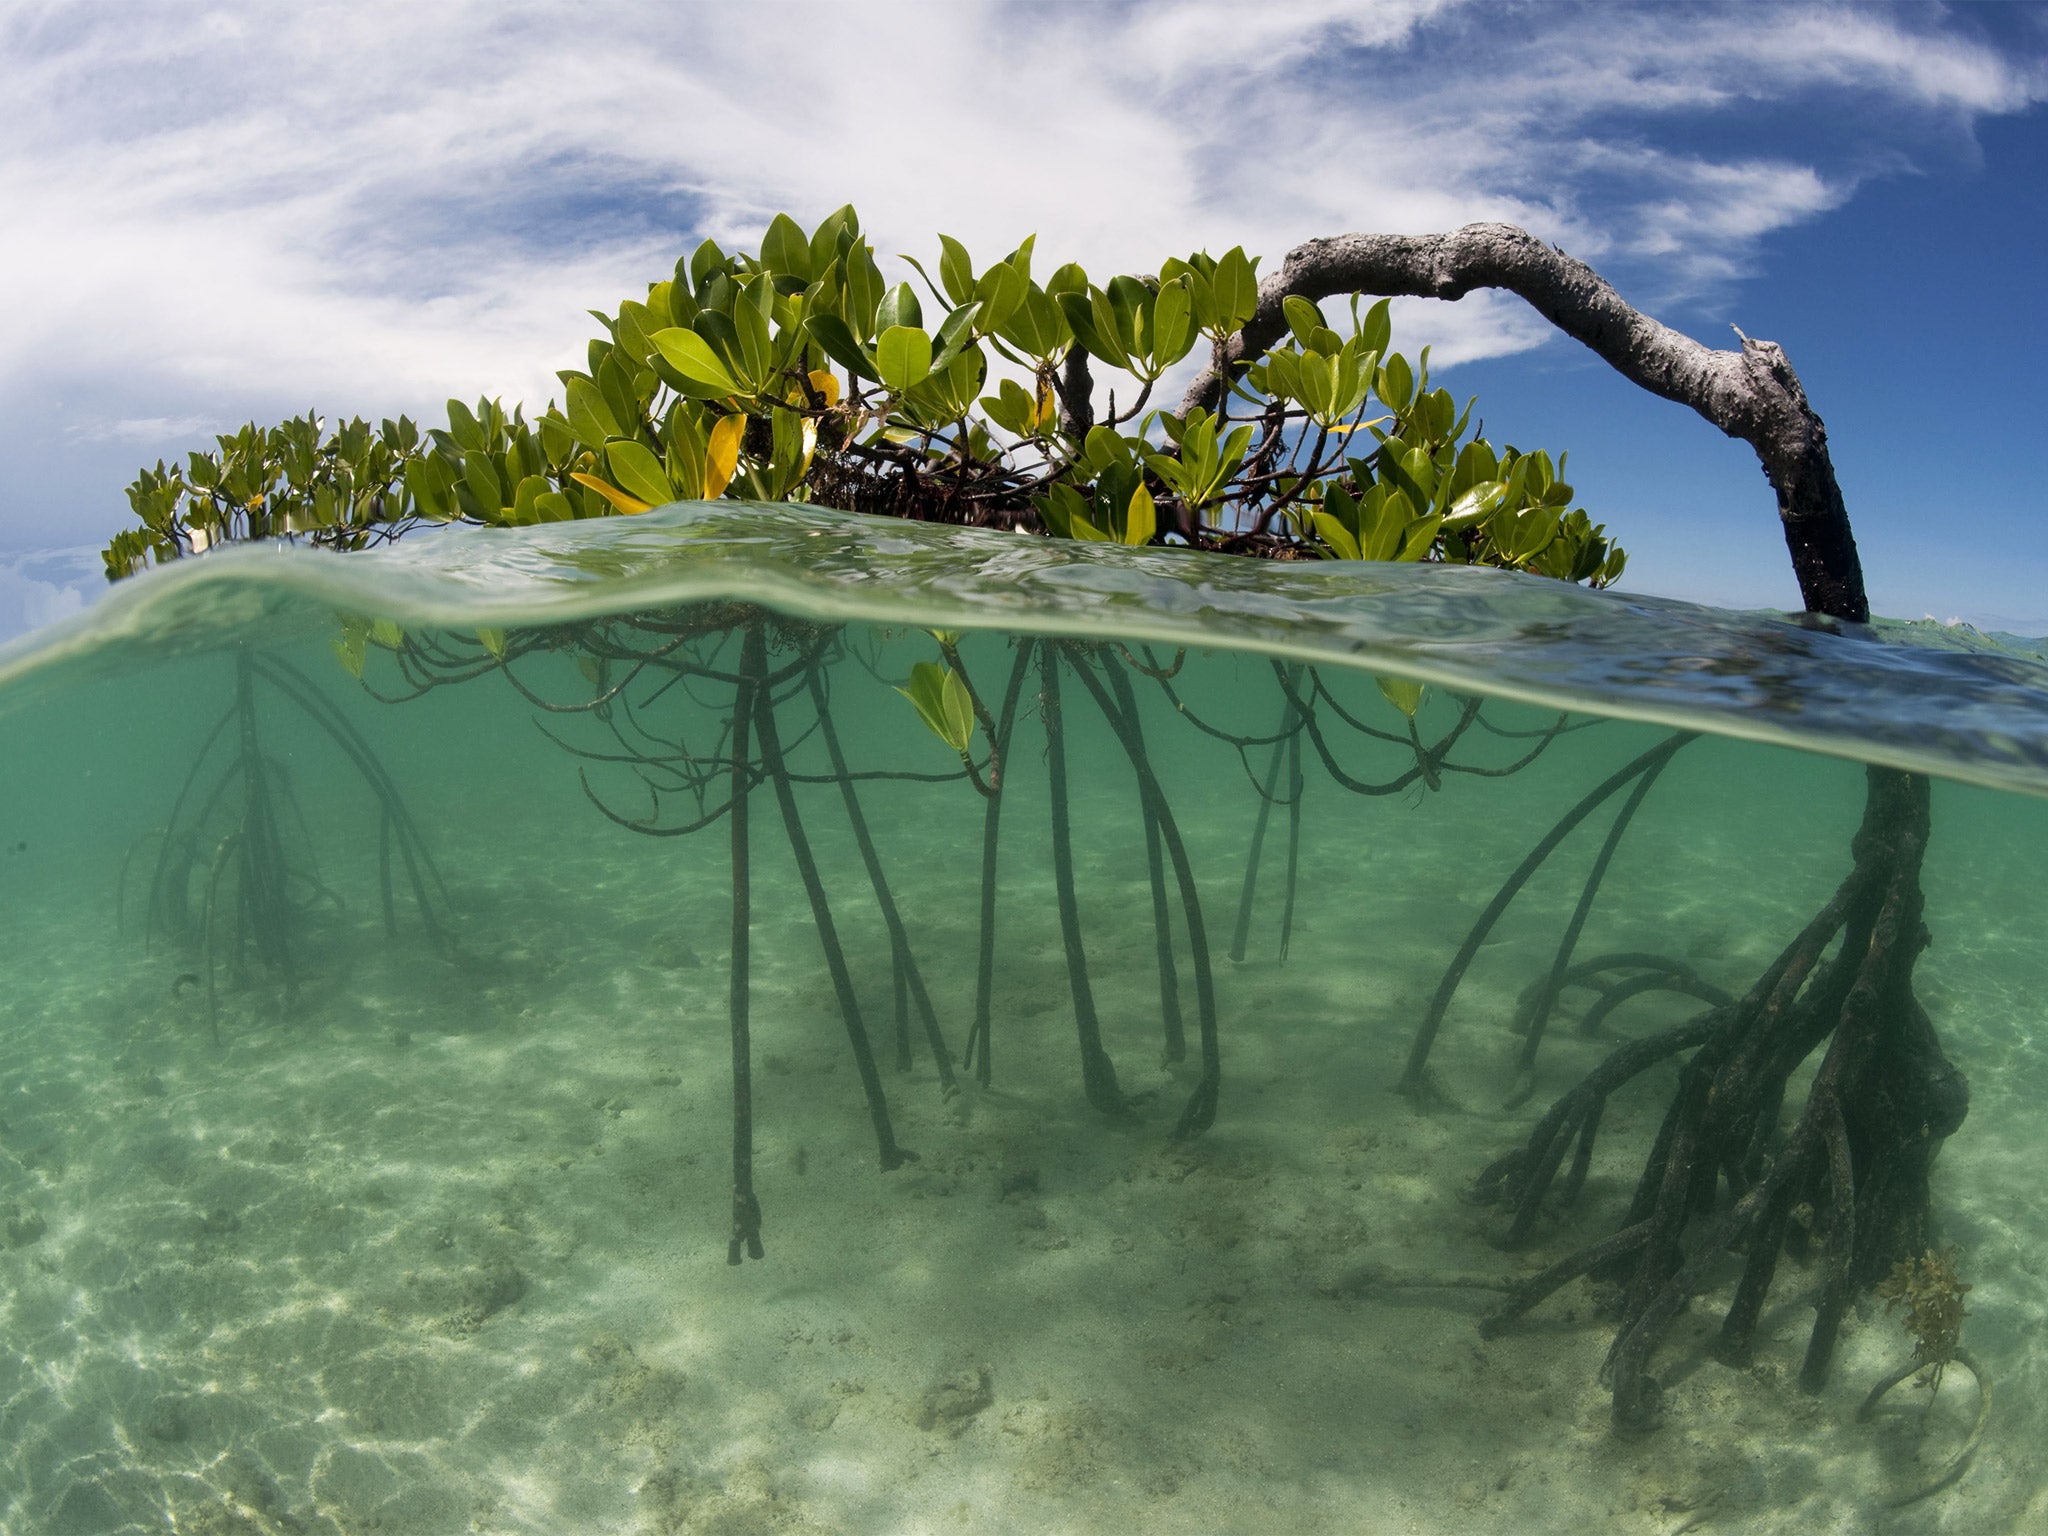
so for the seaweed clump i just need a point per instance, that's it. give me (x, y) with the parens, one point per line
(1931, 1291)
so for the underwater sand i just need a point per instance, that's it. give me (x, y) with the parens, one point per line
(440, 1246)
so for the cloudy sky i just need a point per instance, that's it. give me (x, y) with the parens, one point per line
(214, 212)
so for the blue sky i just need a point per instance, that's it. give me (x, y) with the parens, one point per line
(248, 209)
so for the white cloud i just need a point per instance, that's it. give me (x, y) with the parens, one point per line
(40, 589)
(1699, 219)
(1173, 43)
(144, 430)
(367, 206)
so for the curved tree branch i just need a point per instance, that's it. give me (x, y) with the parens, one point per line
(1751, 393)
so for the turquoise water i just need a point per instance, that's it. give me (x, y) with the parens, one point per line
(317, 1220)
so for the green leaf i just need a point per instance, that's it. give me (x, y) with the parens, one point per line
(429, 489)
(1281, 375)
(526, 499)
(635, 467)
(1419, 538)
(1130, 311)
(864, 288)
(1303, 318)
(1010, 408)
(463, 427)
(635, 322)
(785, 251)
(615, 378)
(1093, 322)
(1106, 448)
(750, 330)
(836, 337)
(1397, 382)
(493, 640)
(956, 270)
(903, 357)
(590, 417)
(481, 478)
(348, 650)
(833, 237)
(1173, 334)
(1335, 535)
(1179, 477)
(1038, 329)
(943, 703)
(955, 332)
(1376, 332)
(1318, 376)
(1058, 509)
(557, 441)
(1474, 505)
(1476, 463)
(898, 307)
(705, 263)
(1235, 287)
(691, 356)
(999, 293)
(959, 710)
(1534, 531)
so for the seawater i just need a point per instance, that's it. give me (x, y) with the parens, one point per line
(419, 1232)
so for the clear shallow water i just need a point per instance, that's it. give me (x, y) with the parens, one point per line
(432, 1237)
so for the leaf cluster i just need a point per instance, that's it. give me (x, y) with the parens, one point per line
(798, 372)
(343, 489)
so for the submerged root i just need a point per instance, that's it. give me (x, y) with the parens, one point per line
(1960, 1462)
(1724, 1176)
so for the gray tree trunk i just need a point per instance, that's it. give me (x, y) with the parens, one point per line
(1751, 393)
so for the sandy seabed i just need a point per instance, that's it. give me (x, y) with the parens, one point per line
(440, 1247)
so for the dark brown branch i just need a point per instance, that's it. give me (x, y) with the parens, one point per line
(1077, 407)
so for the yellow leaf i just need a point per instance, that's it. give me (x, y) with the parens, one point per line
(1342, 430)
(723, 456)
(826, 383)
(1043, 411)
(1141, 518)
(610, 493)
(1402, 694)
(810, 447)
